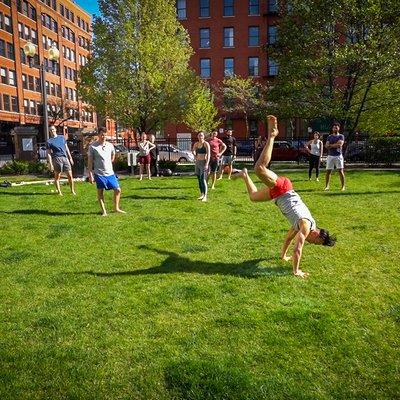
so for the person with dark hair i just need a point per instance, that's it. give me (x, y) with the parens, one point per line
(334, 144)
(155, 156)
(280, 190)
(217, 148)
(315, 148)
(59, 159)
(201, 151)
(145, 146)
(229, 154)
(101, 155)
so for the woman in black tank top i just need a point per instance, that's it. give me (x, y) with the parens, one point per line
(201, 151)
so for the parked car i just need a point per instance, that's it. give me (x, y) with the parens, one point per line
(173, 153)
(244, 148)
(284, 151)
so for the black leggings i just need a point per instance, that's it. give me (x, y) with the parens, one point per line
(314, 163)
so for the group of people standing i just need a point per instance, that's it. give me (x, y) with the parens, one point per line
(334, 144)
(213, 154)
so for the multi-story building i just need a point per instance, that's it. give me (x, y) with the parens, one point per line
(43, 23)
(230, 37)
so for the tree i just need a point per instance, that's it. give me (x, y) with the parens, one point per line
(201, 115)
(334, 57)
(60, 110)
(138, 72)
(243, 97)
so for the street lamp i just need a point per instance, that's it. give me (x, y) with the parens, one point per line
(30, 51)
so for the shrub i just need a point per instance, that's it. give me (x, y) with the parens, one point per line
(121, 164)
(167, 164)
(38, 168)
(384, 150)
(15, 168)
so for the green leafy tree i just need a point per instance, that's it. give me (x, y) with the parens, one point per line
(202, 113)
(138, 73)
(334, 57)
(243, 98)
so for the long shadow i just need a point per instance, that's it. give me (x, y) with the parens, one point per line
(46, 212)
(175, 263)
(160, 188)
(136, 197)
(346, 193)
(25, 194)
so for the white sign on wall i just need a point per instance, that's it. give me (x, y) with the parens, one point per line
(27, 144)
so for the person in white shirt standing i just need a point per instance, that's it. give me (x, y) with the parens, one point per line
(315, 148)
(101, 155)
(145, 146)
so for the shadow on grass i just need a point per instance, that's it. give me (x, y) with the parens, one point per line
(47, 212)
(162, 188)
(345, 193)
(136, 197)
(26, 194)
(175, 263)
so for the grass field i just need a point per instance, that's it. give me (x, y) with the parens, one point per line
(186, 300)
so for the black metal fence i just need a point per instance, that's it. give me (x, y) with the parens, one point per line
(361, 150)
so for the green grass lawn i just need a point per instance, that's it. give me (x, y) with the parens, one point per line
(186, 300)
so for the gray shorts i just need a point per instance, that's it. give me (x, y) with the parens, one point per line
(61, 164)
(227, 160)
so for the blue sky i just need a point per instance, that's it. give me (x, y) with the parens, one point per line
(90, 6)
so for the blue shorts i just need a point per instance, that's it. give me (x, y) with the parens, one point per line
(106, 182)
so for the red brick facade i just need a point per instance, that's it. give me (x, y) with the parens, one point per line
(251, 29)
(42, 22)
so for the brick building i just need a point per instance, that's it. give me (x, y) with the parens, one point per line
(43, 23)
(230, 37)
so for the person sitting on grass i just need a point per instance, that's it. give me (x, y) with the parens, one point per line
(101, 155)
(280, 190)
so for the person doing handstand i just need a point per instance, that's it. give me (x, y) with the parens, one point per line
(280, 190)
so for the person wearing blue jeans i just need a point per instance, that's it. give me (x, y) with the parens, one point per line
(201, 151)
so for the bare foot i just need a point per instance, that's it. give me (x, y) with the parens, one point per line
(343, 188)
(201, 197)
(219, 178)
(204, 199)
(301, 274)
(272, 125)
(73, 193)
(213, 187)
(104, 214)
(240, 174)
(327, 188)
(118, 210)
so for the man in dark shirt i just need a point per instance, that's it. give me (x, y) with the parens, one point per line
(229, 154)
(334, 144)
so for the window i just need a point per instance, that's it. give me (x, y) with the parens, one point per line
(38, 84)
(6, 2)
(14, 104)
(204, 8)
(253, 66)
(68, 33)
(272, 34)
(254, 33)
(229, 8)
(205, 67)
(26, 106)
(5, 22)
(49, 22)
(11, 78)
(228, 37)
(204, 38)
(6, 102)
(254, 7)
(10, 51)
(31, 83)
(27, 9)
(229, 66)
(3, 73)
(2, 48)
(273, 6)
(272, 67)
(181, 9)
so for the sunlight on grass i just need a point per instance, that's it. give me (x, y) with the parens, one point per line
(179, 299)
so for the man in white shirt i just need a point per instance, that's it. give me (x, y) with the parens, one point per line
(101, 155)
